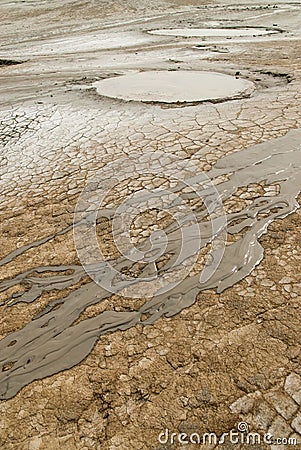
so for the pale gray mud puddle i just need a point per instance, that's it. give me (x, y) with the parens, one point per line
(51, 343)
(174, 87)
(213, 32)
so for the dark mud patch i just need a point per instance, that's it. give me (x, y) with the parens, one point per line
(9, 62)
(286, 77)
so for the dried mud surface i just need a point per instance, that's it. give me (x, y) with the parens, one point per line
(230, 357)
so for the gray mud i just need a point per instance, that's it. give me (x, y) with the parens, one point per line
(213, 32)
(51, 343)
(175, 87)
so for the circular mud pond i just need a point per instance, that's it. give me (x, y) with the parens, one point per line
(213, 32)
(174, 87)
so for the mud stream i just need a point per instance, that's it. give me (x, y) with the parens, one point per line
(51, 342)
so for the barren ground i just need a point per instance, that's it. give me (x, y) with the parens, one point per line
(229, 358)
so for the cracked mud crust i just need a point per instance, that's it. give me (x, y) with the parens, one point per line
(230, 357)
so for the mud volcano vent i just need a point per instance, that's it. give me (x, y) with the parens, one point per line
(174, 87)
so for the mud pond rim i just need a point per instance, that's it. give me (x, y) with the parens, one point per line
(174, 87)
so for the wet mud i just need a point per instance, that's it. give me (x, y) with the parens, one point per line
(175, 87)
(51, 342)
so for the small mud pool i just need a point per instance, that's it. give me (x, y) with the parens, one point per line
(213, 32)
(174, 87)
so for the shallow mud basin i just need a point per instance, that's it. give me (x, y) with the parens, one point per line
(174, 87)
(213, 32)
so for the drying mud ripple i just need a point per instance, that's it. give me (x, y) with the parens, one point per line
(51, 342)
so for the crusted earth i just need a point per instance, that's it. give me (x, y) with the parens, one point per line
(231, 358)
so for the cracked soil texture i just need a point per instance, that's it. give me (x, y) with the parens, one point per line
(230, 358)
